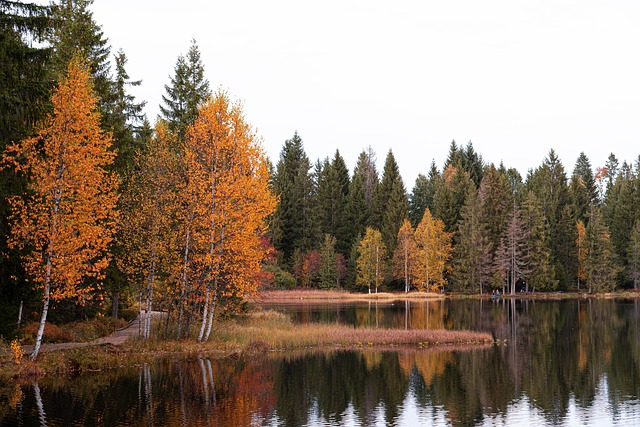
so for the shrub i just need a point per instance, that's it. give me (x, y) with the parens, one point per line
(52, 333)
(282, 279)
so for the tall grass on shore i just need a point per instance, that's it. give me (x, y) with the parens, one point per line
(297, 296)
(274, 331)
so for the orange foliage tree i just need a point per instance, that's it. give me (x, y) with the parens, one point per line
(148, 232)
(433, 253)
(227, 199)
(67, 220)
(404, 254)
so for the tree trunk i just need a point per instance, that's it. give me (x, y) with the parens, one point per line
(185, 282)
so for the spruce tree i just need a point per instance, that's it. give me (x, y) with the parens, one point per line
(600, 266)
(633, 256)
(549, 183)
(540, 272)
(333, 193)
(451, 191)
(472, 266)
(582, 188)
(187, 91)
(422, 195)
(366, 169)
(328, 268)
(392, 202)
(124, 117)
(294, 222)
(25, 89)
(357, 210)
(75, 32)
(495, 200)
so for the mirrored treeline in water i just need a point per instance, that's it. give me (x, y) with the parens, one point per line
(571, 362)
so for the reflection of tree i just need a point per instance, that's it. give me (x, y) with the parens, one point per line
(557, 352)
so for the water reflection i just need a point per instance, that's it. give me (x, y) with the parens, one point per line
(567, 362)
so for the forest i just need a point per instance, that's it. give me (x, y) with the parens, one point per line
(101, 210)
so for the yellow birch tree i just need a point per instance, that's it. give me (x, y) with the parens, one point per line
(67, 220)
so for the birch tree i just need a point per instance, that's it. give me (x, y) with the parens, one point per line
(67, 220)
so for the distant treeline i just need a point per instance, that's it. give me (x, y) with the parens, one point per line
(472, 226)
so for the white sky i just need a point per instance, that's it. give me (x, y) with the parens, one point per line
(515, 77)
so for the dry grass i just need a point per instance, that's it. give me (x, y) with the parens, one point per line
(273, 331)
(301, 296)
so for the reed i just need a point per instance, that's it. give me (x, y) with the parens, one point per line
(280, 334)
(298, 296)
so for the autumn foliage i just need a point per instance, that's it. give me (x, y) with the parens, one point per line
(67, 219)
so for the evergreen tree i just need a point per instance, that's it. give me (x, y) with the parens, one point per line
(187, 91)
(549, 183)
(333, 193)
(452, 189)
(600, 265)
(620, 212)
(540, 272)
(633, 260)
(422, 195)
(356, 210)
(124, 117)
(294, 222)
(25, 91)
(472, 265)
(495, 200)
(582, 188)
(366, 169)
(472, 163)
(392, 201)
(74, 33)
(328, 267)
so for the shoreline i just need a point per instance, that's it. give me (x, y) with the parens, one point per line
(314, 295)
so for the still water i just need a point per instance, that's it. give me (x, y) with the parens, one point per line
(564, 363)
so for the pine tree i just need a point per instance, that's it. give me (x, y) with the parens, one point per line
(328, 267)
(74, 33)
(540, 272)
(124, 117)
(472, 266)
(633, 261)
(187, 91)
(600, 265)
(621, 211)
(495, 201)
(392, 202)
(356, 210)
(294, 222)
(549, 183)
(422, 195)
(452, 189)
(582, 188)
(333, 193)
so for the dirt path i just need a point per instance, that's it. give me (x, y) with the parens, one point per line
(117, 338)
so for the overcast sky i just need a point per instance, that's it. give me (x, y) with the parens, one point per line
(516, 78)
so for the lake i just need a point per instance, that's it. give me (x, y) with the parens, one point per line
(569, 362)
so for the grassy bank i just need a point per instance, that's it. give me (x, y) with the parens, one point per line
(314, 295)
(245, 336)
(297, 296)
